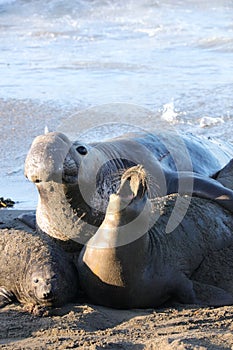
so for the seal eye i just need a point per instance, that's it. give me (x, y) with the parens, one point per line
(35, 280)
(81, 150)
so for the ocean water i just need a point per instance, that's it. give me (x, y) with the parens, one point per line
(59, 57)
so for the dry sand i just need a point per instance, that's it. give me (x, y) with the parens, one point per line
(86, 326)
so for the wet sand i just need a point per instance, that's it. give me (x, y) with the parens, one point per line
(87, 326)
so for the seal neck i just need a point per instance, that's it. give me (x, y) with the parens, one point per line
(56, 217)
(124, 223)
(109, 251)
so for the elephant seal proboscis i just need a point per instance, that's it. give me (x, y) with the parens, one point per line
(129, 264)
(75, 180)
(35, 272)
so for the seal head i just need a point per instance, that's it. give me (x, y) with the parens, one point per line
(35, 270)
(47, 284)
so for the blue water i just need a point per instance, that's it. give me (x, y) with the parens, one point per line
(172, 57)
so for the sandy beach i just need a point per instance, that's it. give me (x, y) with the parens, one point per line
(61, 57)
(87, 326)
(93, 327)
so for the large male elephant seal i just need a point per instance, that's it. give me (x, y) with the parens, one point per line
(75, 180)
(130, 264)
(34, 271)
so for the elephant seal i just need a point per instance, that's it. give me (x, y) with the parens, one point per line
(74, 180)
(34, 271)
(130, 264)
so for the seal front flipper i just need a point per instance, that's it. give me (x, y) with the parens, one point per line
(6, 297)
(211, 295)
(183, 291)
(204, 187)
(37, 310)
(225, 176)
(194, 292)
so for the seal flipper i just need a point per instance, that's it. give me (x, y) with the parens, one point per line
(6, 297)
(184, 291)
(205, 187)
(211, 295)
(28, 219)
(194, 292)
(225, 175)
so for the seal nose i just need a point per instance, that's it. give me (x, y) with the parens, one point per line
(34, 178)
(45, 159)
(47, 294)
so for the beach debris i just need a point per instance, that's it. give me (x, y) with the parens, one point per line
(6, 203)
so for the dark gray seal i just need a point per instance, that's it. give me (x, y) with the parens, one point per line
(129, 264)
(34, 271)
(75, 180)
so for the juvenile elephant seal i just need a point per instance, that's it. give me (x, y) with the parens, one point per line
(34, 271)
(75, 180)
(129, 264)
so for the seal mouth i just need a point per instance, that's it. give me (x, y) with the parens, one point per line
(45, 300)
(72, 161)
(133, 184)
(70, 170)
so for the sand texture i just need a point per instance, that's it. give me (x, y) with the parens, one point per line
(86, 326)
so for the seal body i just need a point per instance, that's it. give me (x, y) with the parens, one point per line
(130, 263)
(34, 271)
(75, 180)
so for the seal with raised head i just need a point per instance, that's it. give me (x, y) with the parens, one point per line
(131, 263)
(35, 271)
(75, 180)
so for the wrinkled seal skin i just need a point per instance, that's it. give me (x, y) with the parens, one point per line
(73, 199)
(34, 271)
(121, 269)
